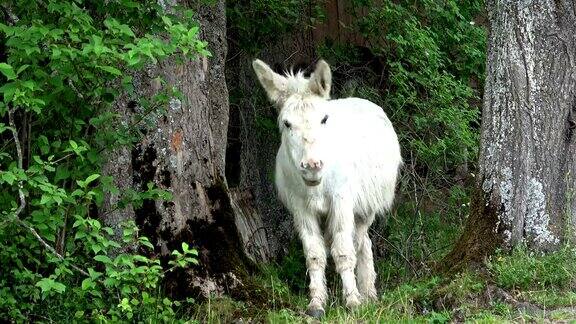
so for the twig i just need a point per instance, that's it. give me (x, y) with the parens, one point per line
(20, 163)
(49, 247)
(397, 250)
(11, 18)
(23, 198)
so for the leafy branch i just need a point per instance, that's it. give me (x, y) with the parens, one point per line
(22, 204)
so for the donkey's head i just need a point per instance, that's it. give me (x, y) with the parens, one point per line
(303, 116)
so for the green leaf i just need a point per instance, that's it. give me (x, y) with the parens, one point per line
(8, 71)
(95, 223)
(126, 30)
(110, 282)
(22, 68)
(37, 159)
(87, 284)
(96, 248)
(94, 274)
(130, 4)
(114, 244)
(62, 173)
(56, 53)
(167, 21)
(8, 89)
(47, 284)
(103, 258)
(77, 192)
(133, 60)
(9, 177)
(110, 69)
(4, 128)
(50, 237)
(147, 244)
(45, 199)
(91, 178)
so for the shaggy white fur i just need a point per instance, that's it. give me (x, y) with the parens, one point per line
(335, 170)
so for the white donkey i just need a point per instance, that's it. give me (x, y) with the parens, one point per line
(335, 169)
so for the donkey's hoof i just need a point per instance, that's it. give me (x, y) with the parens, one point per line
(352, 302)
(370, 296)
(315, 312)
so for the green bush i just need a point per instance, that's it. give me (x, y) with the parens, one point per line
(428, 55)
(255, 24)
(64, 64)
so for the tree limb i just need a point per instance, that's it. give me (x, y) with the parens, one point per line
(11, 18)
(22, 204)
(20, 163)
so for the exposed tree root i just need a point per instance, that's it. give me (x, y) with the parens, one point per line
(480, 237)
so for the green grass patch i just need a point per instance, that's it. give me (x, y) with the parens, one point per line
(523, 269)
(550, 298)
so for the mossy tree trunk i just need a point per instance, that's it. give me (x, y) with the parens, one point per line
(184, 152)
(527, 177)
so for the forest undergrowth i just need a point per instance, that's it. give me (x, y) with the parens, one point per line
(64, 64)
(424, 64)
(516, 286)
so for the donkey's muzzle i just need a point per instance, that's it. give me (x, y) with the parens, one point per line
(311, 183)
(311, 165)
(311, 171)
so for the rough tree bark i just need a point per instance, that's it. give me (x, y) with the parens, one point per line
(526, 182)
(253, 135)
(185, 154)
(254, 140)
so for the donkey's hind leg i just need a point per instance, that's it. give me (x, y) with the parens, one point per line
(365, 274)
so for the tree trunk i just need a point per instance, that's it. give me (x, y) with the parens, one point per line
(526, 181)
(254, 139)
(185, 154)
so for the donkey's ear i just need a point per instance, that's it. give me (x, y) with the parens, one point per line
(321, 80)
(273, 83)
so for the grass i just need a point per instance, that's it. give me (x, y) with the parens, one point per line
(512, 287)
(461, 298)
(550, 298)
(524, 270)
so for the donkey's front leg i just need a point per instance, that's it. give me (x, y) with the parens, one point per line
(315, 252)
(342, 231)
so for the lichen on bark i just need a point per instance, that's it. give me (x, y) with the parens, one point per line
(527, 150)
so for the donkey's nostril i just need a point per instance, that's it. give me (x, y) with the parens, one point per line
(314, 165)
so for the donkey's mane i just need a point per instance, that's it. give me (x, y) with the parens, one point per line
(296, 82)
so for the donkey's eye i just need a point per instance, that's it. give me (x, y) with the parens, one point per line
(287, 124)
(323, 121)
